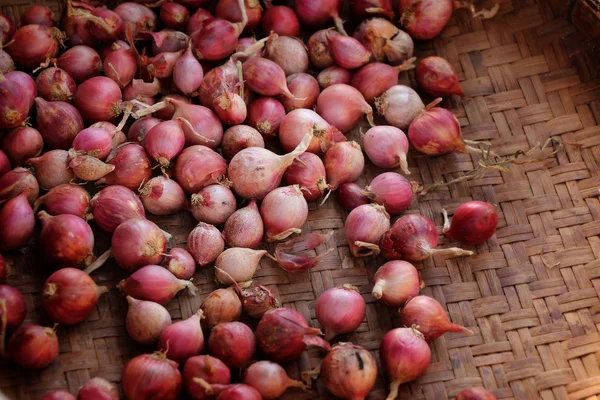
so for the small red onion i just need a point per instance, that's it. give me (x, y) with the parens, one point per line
(424, 20)
(145, 322)
(132, 166)
(65, 199)
(245, 227)
(291, 255)
(16, 223)
(197, 20)
(183, 339)
(349, 371)
(138, 17)
(270, 379)
(180, 263)
(348, 52)
(205, 243)
(319, 13)
(162, 65)
(234, 391)
(27, 84)
(344, 162)
(230, 10)
(4, 164)
(165, 141)
(284, 210)
(58, 395)
(3, 269)
(55, 84)
(475, 393)
(343, 106)
(154, 283)
(218, 79)
(318, 48)
(256, 300)
(405, 356)
(167, 41)
(305, 89)
(308, 172)
(81, 63)
(240, 137)
(233, 343)
(282, 20)
(137, 130)
(69, 296)
(248, 45)
(6, 62)
(473, 222)
(21, 144)
(14, 103)
(17, 181)
(217, 38)
(7, 29)
(333, 75)
(98, 389)
(265, 115)
(265, 77)
(368, 8)
(13, 306)
(120, 64)
(364, 227)
(350, 196)
(237, 264)
(197, 167)
(391, 190)
(30, 56)
(209, 369)
(436, 76)
(104, 24)
(114, 205)
(231, 108)
(340, 310)
(213, 204)
(298, 123)
(162, 196)
(58, 122)
(151, 376)
(400, 105)
(75, 27)
(144, 92)
(52, 168)
(395, 282)
(66, 240)
(188, 73)
(98, 99)
(385, 41)
(40, 15)
(220, 306)
(95, 142)
(374, 79)
(174, 16)
(203, 120)
(386, 146)
(283, 334)
(138, 242)
(288, 52)
(428, 314)
(33, 346)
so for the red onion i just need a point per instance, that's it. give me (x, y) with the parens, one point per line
(98, 99)
(40, 15)
(270, 379)
(95, 142)
(400, 105)
(217, 38)
(138, 242)
(424, 20)
(132, 166)
(395, 282)
(66, 240)
(265, 77)
(55, 84)
(183, 339)
(19, 180)
(318, 13)
(14, 104)
(145, 321)
(167, 41)
(188, 73)
(283, 334)
(233, 343)
(80, 62)
(426, 313)
(344, 162)
(405, 356)
(265, 115)
(436, 76)
(163, 196)
(256, 300)
(220, 306)
(288, 52)
(297, 124)
(240, 137)
(144, 92)
(350, 196)
(475, 393)
(245, 227)
(348, 52)
(16, 223)
(197, 20)
(180, 263)
(236, 391)
(137, 130)
(12, 308)
(333, 75)
(120, 64)
(282, 20)
(69, 296)
(98, 389)
(385, 41)
(318, 48)
(65, 199)
(138, 17)
(7, 29)
(174, 16)
(340, 310)
(151, 376)
(230, 107)
(154, 283)
(364, 227)
(375, 78)
(237, 264)
(391, 190)
(103, 23)
(386, 146)
(202, 120)
(248, 45)
(255, 171)
(6, 62)
(291, 255)
(3, 269)
(163, 64)
(197, 167)
(22, 143)
(58, 122)
(52, 168)
(27, 84)
(284, 210)
(343, 106)
(33, 346)
(305, 89)
(209, 369)
(33, 44)
(205, 243)
(165, 141)
(230, 10)
(474, 222)
(218, 79)
(213, 204)
(58, 395)
(114, 205)
(4, 164)
(349, 371)
(368, 8)
(75, 27)
(308, 172)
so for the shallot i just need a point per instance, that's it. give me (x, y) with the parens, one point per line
(187, 73)
(16, 223)
(367, 8)
(37, 14)
(340, 310)
(400, 105)
(65, 199)
(364, 227)
(52, 168)
(318, 48)
(81, 63)
(350, 196)
(17, 181)
(12, 310)
(162, 196)
(288, 52)
(475, 393)
(391, 190)
(270, 379)
(197, 167)
(305, 89)
(98, 99)
(151, 376)
(375, 78)
(265, 77)
(245, 227)
(120, 64)
(233, 343)
(473, 222)
(55, 84)
(237, 264)
(132, 166)
(239, 137)
(114, 205)
(3, 269)
(436, 76)
(318, 13)
(30, 56)
(174, 15)
(256, 300)
(138, 17)
(220, 306)
(33, 346)
(183, 339)
(347, 52)
(138, 242)
(344, 162)
(89, 168)
(66, 240)
(180, 263)
(213, 204)
(280, 19)
(343, 106)
(209, 369)
(349, 371)
(308, 172)
(58, 122)
(145, 321)
(428, 314)
(205, 243)
(14, 105)
(387, 146)
(98, 389)
(426, 19)
(395, 282)
(292, 257)
(333, 75)
(298, 123)
(265, 115)
(154, 283)
(283, 210)
(137, 130)
(230, 107)
(93, 141)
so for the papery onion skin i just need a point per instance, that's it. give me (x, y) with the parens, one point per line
(55, 84)
(308, 172)
(4, 163)
(26, 83)
(180, 263)
(233, 343)
(436, 76)
(17, 223)
(344, 162)
(13, 102)
(395, 282)
(132, 166)
(15, 182)
(340, 310)
(216, 39)
(138, 242)
(69, 296)
(343, 106)
(174, 16)
(98, 389)
(318, 48)
(183, 339)
(33, 44)
(205, 243)
(96, 142)
(270, 379)
(36, 14)
(238, 138)
(98, 99)
(230, 10)
(305, 89)
(350, 196)
(52, 168)
(206, 367)
(6, 62)
(230, 108)
(300, 122)
(58, 122)
(16, 308)
(138, 17)
(475, 393)
(66, 199)
(163, 196)
(265, 77)
(33, 346)
(257, 300)
(154, 283)
(364, 227)
(282, 20)
(368, 8)
(473, 222)
(220, 306)
(349, 371)
(213, 204)
(245, 227)
(81, 63)
(137, 131)
(436, 131)
(114, 205)
(425, 20)
(400, 105)
(203, 119)
(348, 52)
(386, 147)
(391, 190)
(237, 264)
(151, 376)
(283, 210)
(265, 115)
(332, 76)
(197, 167)
(145, 321)
(7, 29)
(120, 64)
(428, 314)
(66, 240)
(288, 52)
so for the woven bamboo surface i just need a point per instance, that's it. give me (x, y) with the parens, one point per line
(530, 294)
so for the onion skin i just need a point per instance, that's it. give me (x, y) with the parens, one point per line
(183, 339)
(120, 64)
(6, 62)
(65, 199)
(318, 48)
(237, 264)
(368, 8)
(205, 243)
(13, 102)
(151, 376)
(17, 181)
(174, 16)
(391, 190)
(374, 79)
(436, 76)
(33, 346)
(216, 39)
(245, 227)
(270, 379)
(348, 52)
(340, 310)
(138, 242)
(17, 223)
(213, 204)
(233, 343)
(197, 20)
(265, 77)
(203, 120)
(435, 132)
(343, 106)
(240, 137)
(344, 162)
(404, 355)
(349, 371)
(350, 196)
(318, 13)
(395, 282)
(58, 395)
(80, 62)
(230, 10)
(107, 95)
(58, 122)
(137, 130)
(257, 300)
(138, 17)
(114, 205)
(164, 142)
(474, 222)
(26, 83)
(265, 115)
(364, 227)
(40, 15)
(305, 89)
(282, 20)
(197, 167)
(400, 105)
(308, 172)
(284, 210)
(180, 263)
(154, 283)
(98, 389)
(230, 108)
(288, 52)
(132, 167)
(145, 321)
(220, 306)
(52, 168)
(428, 314)
(163, 196)
(4, 163)
(15, 310)
(208, 368)
(7, 29)
(475, 393)
(424, 20)
(333, 75)
(217, 80)
(3, 269)
(69, 296)
(96, 142)
(33, 44)
(55, 84)
(187, 73)
(300, 122)
(291, 255)
(66, 240)
(386, 147)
